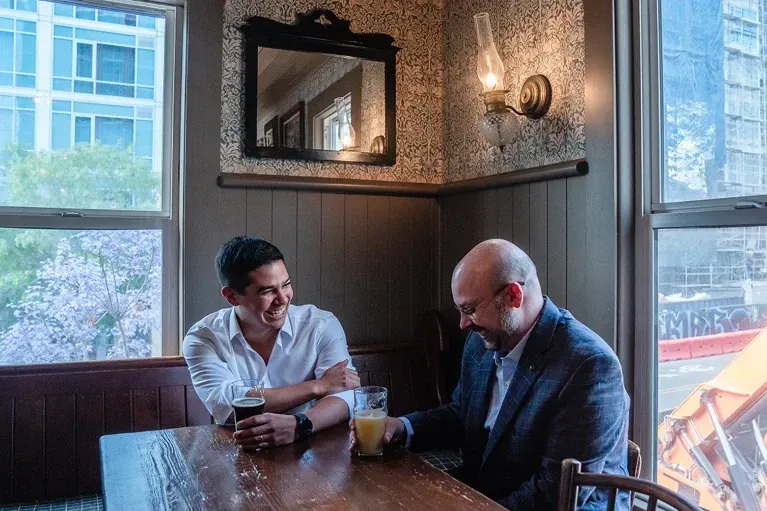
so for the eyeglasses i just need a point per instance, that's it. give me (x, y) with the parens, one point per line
(470, 311)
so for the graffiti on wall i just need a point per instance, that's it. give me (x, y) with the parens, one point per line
(710, 321)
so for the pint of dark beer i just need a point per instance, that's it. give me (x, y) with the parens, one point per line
(247, 398)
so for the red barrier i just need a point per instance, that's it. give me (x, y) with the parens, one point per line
(737, 341)
(705, 346)
(676, 349)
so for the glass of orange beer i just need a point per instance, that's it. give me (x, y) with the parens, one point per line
(370, 409)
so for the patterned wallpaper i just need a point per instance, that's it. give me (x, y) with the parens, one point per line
(417, 26)
(438, 111)
(532, 36)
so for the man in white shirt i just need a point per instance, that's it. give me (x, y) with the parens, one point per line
(298, 351)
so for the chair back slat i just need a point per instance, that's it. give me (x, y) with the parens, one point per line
(612, 497)
(572, 478)
(568, 490)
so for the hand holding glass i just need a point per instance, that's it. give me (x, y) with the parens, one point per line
(247, 398)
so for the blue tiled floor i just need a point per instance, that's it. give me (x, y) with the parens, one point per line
(86, 503)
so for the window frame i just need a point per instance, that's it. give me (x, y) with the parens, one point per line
(167, 218)
(651, 214)
(329, 114)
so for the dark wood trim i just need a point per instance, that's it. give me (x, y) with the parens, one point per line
(290, 153)
(309, 26)
(158, 362)
(517, 177)
(384, 348)
(101, 365)
(370, 187)
(321, 184)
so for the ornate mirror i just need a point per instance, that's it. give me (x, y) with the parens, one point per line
(315, 90)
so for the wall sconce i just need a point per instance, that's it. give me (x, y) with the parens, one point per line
(346, 134)
(498, 125)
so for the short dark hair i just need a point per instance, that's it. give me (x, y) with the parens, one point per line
(240, 256)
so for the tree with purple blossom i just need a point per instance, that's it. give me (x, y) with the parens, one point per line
(80, 295)
(99, 297)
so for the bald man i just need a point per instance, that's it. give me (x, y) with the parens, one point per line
(536, 387)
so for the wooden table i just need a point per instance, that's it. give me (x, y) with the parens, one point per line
(201, 468)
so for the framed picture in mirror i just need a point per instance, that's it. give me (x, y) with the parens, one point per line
(271, 137)
(293, 127)
(332, 89)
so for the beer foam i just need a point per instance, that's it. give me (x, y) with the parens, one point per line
(248, 401)
(369, 414)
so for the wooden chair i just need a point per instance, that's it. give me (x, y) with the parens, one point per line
(572, 478)
(432, 331)
(634, 459)
(634, 465)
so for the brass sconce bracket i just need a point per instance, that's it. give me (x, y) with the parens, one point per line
(534, 98)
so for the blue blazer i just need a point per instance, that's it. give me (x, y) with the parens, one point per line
(566, 400)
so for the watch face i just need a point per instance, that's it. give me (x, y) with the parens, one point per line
(305, 426)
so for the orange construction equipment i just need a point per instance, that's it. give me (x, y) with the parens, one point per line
(712, 447)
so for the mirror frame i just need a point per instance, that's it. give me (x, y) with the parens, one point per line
(319, 31)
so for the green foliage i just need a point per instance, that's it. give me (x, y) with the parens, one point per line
(83, 177)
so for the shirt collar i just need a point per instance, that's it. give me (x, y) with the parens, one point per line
(516, 353)
(234, 328)
(287, 327)
(234, 325)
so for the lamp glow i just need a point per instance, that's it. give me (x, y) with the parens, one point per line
(346, 133)
(499, 124)
(490, 68)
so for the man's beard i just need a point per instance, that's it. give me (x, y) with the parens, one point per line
(503, 338)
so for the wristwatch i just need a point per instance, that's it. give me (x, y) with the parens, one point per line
(304, 426)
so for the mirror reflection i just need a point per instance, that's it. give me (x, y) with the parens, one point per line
(319, 101)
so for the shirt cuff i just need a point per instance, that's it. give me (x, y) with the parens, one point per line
(409, 430)
(348, 397)
(221, 414)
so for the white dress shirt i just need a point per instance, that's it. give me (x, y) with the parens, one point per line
(505, 366)
(311, 341)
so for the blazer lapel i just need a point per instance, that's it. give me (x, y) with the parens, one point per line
(528, 370)
(480, 393)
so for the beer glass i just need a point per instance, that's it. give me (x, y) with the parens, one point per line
(370, 409)
(247, 398)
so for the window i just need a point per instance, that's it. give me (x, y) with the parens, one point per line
(118, 18)
(107, 63)
(741, 34)
(106, 16)
(109, 125)
(19, 5)
(702, 245)
(326, 127)
(88, 250)
(18, 53)
(17, 121)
